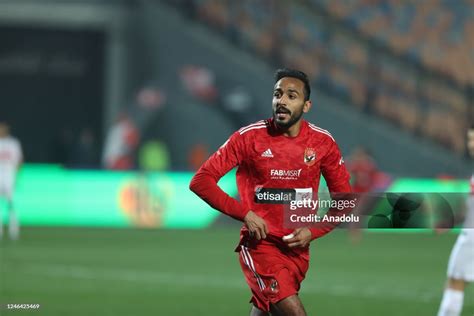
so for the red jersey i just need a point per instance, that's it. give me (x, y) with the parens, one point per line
(364, 175)
(272, 167)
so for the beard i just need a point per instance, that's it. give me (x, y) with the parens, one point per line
(294, 117)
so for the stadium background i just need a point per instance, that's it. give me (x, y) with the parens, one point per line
(167, 82)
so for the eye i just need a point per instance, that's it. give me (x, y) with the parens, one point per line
(276, 94)
(292, 96)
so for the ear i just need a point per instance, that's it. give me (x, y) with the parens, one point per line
(307, 106)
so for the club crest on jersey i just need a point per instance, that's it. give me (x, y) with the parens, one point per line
(309, 156)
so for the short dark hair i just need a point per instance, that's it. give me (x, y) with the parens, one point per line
(293, 73)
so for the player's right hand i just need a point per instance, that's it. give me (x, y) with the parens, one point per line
(256, 225)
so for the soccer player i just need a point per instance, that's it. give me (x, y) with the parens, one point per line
(10, 161)
(363, 170)
(461, 260)
(275, 157)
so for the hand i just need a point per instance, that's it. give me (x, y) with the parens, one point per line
(256, 225)
(301, 238)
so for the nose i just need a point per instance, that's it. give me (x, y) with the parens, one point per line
(281, 100)
(281, 104)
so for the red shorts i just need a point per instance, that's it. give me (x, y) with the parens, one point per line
(272, 271)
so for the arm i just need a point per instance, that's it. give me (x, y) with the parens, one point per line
(204, 182)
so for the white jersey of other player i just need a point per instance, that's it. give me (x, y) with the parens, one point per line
(461, 261)
(10, 158)
(469, 220)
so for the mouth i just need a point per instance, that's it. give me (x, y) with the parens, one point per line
(282, 113)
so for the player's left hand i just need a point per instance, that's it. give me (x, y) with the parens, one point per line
(301, 238)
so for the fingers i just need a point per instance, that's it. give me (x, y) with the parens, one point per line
(288, 237)
(298, 239)
(264, 229)
(294, 236)
(299, 243)
(297, 231)
(259, 230)
(257, 234)
(293, 242)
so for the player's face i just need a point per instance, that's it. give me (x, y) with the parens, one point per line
(288, 102)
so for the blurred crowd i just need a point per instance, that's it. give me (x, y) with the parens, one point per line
(408, 62)
(437, 33)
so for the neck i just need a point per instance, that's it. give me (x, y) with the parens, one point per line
(293, 130)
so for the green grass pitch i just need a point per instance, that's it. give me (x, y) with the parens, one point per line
(76, 271)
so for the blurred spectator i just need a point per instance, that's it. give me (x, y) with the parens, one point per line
(150, 97)
(11, 159)
(120, 144)
(363, 170)
(364, 173)
(238, 100)
(199, 81)
(238, 105)
(197, 156)
(154, 156)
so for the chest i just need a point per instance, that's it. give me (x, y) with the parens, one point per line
(285, 160)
